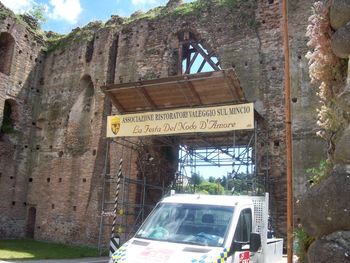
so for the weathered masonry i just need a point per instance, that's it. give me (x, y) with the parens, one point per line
(53, 111)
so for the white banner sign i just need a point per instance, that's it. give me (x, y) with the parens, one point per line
(189, 120)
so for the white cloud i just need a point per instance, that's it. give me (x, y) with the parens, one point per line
(144, 2)
(68, 10)
(18, 6)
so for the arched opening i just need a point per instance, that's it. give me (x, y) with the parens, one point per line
(31, 222)
(10, 116)
(195, 57)
(7, 45)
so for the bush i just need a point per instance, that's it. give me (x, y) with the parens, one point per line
(302, 244)
(319, 173)
(210, 188)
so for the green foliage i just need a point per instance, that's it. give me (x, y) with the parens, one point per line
(196, 179)
(153, 13)
(31, 249)
(210, 188)
(211, 179)
(234, 4)
(38, 12)
(243, 11)
(185, 9)
(60, 41)
(3, 14)
(318, 174)
(302, 243)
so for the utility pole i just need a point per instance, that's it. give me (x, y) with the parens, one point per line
(288, 125)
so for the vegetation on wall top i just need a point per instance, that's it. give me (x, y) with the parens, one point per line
(29, 20)
(244, 11)
(244, 15)
(57, 41)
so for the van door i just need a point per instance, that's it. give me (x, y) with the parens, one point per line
(242, 236)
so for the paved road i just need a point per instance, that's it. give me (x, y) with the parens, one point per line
(79, 260)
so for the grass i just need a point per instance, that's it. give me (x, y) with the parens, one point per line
(21, 249)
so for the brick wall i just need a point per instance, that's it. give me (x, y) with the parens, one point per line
(17, 87)
(57, 158)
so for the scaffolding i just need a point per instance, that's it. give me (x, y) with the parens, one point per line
(235, 158)
(236, 151)
(242, 152)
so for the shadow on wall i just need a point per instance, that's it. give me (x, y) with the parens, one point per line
(79, 123)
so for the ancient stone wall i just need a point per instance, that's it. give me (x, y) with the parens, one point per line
(20, 64)
(58, 163)
(68, 171)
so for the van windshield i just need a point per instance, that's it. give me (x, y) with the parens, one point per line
(205, 225)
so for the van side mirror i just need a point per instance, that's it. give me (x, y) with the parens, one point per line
(255, 242)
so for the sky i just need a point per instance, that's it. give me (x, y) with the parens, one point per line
(64, 15)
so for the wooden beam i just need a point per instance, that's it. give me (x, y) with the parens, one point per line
(232, 78)
(179, 62)
(116, 102)
(205, 56)
(195, 94)
(188, 69)
(181, 89)
(148, 98)
(188, 60)
(201, 66)
(162, 81)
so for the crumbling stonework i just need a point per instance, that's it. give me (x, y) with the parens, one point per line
(328, 224)
(52, 167)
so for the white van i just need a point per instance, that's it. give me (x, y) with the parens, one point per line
(204, 229)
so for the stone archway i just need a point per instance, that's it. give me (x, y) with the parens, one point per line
(7, 45)
(10, 116)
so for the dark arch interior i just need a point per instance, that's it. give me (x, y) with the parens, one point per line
(7, 44)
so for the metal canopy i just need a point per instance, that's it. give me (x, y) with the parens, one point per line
(201, 89)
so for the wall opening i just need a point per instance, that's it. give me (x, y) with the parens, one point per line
(195, 57)
(112, 60)
(229, 166)
(10, 116)
(7, 46)
(31, 222)
(89, 50)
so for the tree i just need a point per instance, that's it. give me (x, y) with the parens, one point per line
(223, 181)
(38, 13)
(211, 179)
(211, 188)
(196, 179)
